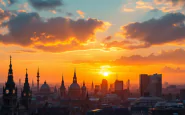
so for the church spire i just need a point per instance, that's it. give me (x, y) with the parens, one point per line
(75, 78)
(10, 72)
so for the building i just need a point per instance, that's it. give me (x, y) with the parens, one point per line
(104, 86)
(151, 85)
(144, 84)
(156, 85)
(9, 95)
(97, 89)
(62, 89)
(182, 94)
(118, 85)
(74, 91)
(26, 93)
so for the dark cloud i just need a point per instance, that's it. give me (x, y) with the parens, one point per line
(167, 69)
(169, 28)
(46, 4)
(69, 14)
(61, 34)
(12, 1)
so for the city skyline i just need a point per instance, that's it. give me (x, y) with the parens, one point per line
(115, 37)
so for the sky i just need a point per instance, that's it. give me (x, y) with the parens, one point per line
(100, 38)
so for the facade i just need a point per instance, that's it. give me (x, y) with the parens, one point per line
(62, 89)
(104, 86)
(151, 85)
(156, 85)
(26, 93)
(74, 91)
(182, 94)
(10, 103)
(144, 84)
(118, 85)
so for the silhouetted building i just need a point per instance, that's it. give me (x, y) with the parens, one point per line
(26, 93)
(38, 76)
(62, 89)
(156, 85)
(144, 84)
(97, 89)
(118, 86)
(9, 106)
(84, 90)
(74, 89)
(104, 86)
(182, 94)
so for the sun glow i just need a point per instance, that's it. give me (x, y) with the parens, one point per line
(105, 73)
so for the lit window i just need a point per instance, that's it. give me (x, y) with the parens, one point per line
(7, 91)
(13, 92)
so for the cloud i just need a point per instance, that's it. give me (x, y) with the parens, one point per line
(165, 57)
(167, 29)
(81, 13)
(12, 1)
(54, 34)
(46, 4)
(4, 15)
(167, 69)
(108, 38)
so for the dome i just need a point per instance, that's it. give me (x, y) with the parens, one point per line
(74, 86)
(45, 88)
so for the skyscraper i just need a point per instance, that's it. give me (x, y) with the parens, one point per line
(144, 84)
(118, 86)
(104, 86)
(156, 85)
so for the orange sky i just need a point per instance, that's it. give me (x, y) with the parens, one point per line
(121, 37)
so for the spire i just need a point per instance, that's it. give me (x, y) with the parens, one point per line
(62, 84)
(75, 78)
(10, 72)
(38, 72)
(26, 79)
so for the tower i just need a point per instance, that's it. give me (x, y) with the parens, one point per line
(83, 90)
(38, 76)
(62, 88)
(74, 77)
(92, 87)
(32, 84)
(9, 94)
(26, 93)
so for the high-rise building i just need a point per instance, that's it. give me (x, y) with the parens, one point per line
(151, 85)
(118, 85)
(104, 86)
(156, 85)
(182, 94)
(97, 89)
(144, 84)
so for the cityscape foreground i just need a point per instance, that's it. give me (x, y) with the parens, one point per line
(152, 98)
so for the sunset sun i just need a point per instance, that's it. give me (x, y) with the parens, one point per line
(105, 74)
